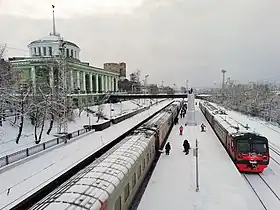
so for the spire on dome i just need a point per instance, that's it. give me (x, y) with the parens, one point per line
(54, 32)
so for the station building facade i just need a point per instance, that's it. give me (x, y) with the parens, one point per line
(45, 58)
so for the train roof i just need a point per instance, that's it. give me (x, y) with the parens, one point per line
(234, 127)
(92, 186)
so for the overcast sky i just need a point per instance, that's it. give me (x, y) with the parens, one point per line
(171, 40)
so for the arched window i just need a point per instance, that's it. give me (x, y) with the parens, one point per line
(67, 52)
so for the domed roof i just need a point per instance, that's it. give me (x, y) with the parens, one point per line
(52, 38)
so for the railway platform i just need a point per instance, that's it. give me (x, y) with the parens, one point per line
(173, 182)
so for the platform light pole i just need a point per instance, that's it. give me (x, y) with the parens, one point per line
(197, 171)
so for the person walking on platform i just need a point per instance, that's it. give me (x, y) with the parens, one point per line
(186, 146)
(167, 148)
(203, 128)
(181, 130)
(184, 113)
(176, 120)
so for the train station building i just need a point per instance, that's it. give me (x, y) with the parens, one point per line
(49, 55)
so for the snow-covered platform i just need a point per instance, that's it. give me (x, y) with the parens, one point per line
(173, 182)
(40, 170)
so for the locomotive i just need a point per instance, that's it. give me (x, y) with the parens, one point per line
(112, 181)
(248, 150)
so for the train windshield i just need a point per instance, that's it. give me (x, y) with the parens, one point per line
(259, 147)
(243, 147)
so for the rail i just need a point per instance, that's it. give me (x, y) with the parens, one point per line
(30, 151)
(38, 195)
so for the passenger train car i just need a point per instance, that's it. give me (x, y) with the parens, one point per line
(248, 150)
(112, 181)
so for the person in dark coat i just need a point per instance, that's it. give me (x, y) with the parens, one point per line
(203, 127)
(186, 146)
(176, 120)
(167, 148)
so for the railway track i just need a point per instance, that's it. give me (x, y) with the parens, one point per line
(267, 196)
(42, 197)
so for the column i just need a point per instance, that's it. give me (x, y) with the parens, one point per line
(84, 81)
(102, 83)
(96, 83)
(51, 79)
(112, 83)
(90, 82)
(71, 80)
(78, 80)
(117, 87)
(105, 83)
(111, 86)
(33, 78)
(108, 83)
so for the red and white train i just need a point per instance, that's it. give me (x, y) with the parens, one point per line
(248, 150)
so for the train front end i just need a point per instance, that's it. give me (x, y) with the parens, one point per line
(252, 153)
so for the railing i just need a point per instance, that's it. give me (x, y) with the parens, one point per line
(24, 153)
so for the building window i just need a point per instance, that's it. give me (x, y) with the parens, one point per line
(67, 52)
(50, 51)
(75, 54)
(44, 51)
(126, 192)
(39, 51)
(72, 56)
(35, 51)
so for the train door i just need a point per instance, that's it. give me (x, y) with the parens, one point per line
(231, 147)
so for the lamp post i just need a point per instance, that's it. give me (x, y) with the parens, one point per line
(146, 82)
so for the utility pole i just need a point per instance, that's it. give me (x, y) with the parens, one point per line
(146, 83)
(223, 82)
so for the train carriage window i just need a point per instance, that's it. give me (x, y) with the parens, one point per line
(126, 192)
(134, 180)
(148, 157)
(259, 147)
(139, 172)
(243, 147)
(118, 204)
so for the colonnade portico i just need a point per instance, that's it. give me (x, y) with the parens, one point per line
(93, 82)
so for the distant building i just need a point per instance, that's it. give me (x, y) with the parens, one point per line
(119, 68)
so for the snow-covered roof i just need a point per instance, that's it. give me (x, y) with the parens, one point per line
(52, 39)
(92, 186)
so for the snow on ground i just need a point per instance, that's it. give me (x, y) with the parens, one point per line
(172, 185)
(8, 133)
(36, 172)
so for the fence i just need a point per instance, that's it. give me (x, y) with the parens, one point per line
(24, 153)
